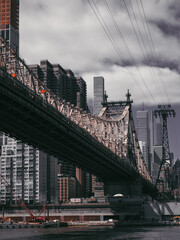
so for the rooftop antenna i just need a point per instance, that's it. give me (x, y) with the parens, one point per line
(105, 97)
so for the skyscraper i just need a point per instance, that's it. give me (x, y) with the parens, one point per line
(99, 98)
(143, 133)
(9, 22)
(98, 94)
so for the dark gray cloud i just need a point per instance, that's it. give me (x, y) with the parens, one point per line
(110, 62)
(168, 28)
(163, 63)
(174, 8)
(174, 66)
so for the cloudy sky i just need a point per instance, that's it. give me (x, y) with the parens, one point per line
(134, 44)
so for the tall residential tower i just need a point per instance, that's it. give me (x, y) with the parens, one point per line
(9, 22)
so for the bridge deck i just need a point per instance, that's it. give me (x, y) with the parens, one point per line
(28, 117)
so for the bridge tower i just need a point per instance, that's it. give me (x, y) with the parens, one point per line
(113, 111)
(164, 178)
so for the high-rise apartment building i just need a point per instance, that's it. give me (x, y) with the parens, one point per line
(81, 93)
(30, 173)
(62, 82)
(59, 83)
(71, 88)
(99, 95)
(9, 22)
(143, 133)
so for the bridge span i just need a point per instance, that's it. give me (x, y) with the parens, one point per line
(106, 147)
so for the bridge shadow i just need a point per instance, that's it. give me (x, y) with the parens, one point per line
(160, 210)
(127, 209)
(139, 208)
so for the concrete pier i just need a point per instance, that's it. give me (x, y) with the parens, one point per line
(119, 208)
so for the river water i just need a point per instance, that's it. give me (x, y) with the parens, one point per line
(93, 233)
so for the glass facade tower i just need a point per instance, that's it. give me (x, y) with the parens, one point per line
(143, 133)
(98, 95)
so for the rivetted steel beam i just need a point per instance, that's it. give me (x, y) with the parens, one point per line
(99, 145)
(111, 163)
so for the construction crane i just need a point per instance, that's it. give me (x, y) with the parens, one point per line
(23, 205)
(35, 218)
(164, 177)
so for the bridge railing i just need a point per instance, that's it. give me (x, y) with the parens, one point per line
(98, 128)
(26, 93)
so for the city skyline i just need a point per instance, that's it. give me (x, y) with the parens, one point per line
(119, 58)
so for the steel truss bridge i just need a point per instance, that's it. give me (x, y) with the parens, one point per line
(106, 146)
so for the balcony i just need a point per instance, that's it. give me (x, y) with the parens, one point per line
(9, 152)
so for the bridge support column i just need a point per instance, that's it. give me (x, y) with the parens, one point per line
(124, 186)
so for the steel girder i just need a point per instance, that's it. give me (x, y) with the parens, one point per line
(116, 135)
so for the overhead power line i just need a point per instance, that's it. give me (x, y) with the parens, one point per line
(155, 79)
(110, 37)
(139, 39)
(125, 44)
(154, 52)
